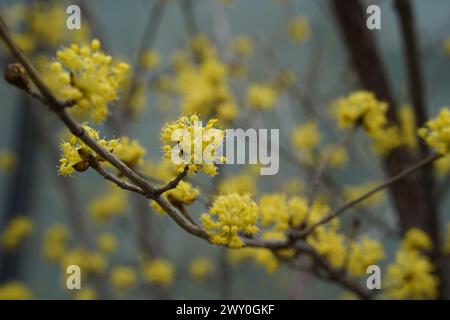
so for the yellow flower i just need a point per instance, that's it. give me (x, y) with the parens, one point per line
(15, 232)
(338, 157)
(410, 276)
(362, 254)
(14, 290)
(274, 211)
(76, 153)
(55, 242)
(88, 76)
(436, 132)
(107, 243)
(228, 216)
(330, 244)
(243, 46)
(158, 271)
(184, 193)
(306, 136)
(299, 29)
(122, 278)
(361, 108)
(149, 59)
(88, 261)
(386, 139)
(442, 165)
(261, 96)
(416, 239)
(194, 145)
(109, 205)
(200, 268)
(260, 256)
(131, 152)
(8, 161)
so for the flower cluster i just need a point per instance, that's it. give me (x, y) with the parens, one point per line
(91, 262)
(436, 132)
(200, 268)
(411, 276)
(15, 232)
(361, 108)
(299, 29)
(76, 154)
(131, 152)
(107, 243)
(306, 136)
(261, 96)
(55, 242)
(228, 216)
(111, 204)
(194, 145)
(122, 278)
(8, 161)
(158, 271)
(14, 290)
(260, 256)
(203, 84)
(88, 76)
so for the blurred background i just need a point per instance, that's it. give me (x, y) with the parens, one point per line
(317, 59)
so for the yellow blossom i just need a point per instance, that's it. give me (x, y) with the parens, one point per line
(306, 136)
(194, 145)
(299, 29)
(76, 154)
(243, 46)
(88, 261)
(260, 256)
(149, 59)
(107, 243)
(122, 278)
(8, 161)
(261, 96)
(410, 276)
(158, 271)
(109, 205)
(200, 268)
(131, 152)
(361, 108)
(436, 132)
(14, 290)
(55, 242)
(416, 239)
(88, 76)
(362, 254)
(15, 232)
(338, 156)
(228, 216)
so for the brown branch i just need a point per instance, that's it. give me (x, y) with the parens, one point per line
(173, 183)
(385, 184)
